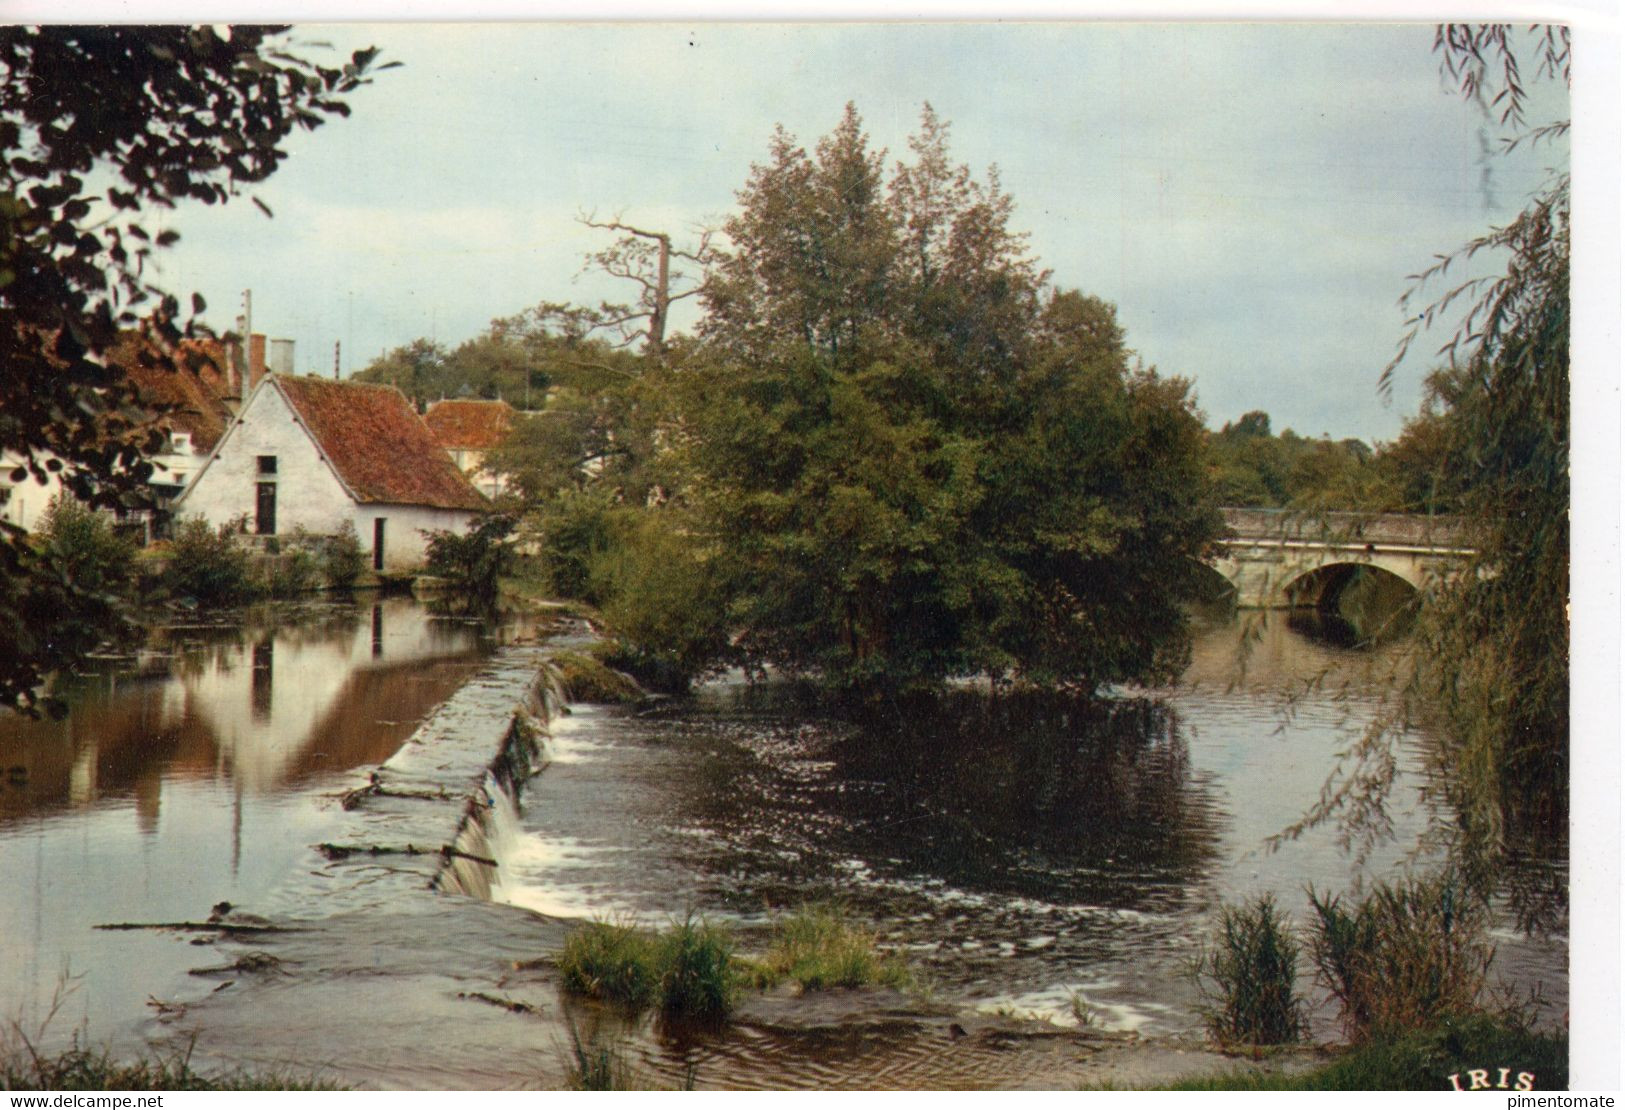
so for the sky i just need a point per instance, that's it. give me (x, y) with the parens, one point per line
(1252, 197)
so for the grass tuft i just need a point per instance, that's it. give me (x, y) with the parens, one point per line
(818, 949)
(80, 1069)
(1421, 1060)
(698, 975)
(688, 971)
(615, 962)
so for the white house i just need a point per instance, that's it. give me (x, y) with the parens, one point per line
(316, 454)
(467, 429)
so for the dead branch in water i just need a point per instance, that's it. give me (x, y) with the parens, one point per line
(445, 851)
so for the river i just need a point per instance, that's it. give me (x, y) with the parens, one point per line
(1020, 857)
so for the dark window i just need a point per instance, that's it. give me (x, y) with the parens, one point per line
(378, 544)
(267, 464)
(265, 509)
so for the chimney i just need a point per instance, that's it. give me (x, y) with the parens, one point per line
(281, 358)
(256, 360)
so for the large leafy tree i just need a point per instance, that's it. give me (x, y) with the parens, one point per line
(911, 459)
(100, 125)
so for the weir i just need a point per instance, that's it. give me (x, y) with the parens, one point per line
(442, 809)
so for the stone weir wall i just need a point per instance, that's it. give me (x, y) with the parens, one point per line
(393, 826)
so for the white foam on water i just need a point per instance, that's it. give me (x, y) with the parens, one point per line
(1055, 1005)
(569, 740)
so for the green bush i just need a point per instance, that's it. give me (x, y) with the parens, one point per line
(818, 949)
(660, 590)
(342, 559)
(294, 571)
(208, 564)
(1249, 977)
(587, 679)
(86, 548)
(575, 526)
(1407, 955)
(474, 562)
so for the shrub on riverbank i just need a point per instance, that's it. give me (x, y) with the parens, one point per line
(1249, 977)
(817, 949)
(208, 564)
(1406, 955)
(87, 548)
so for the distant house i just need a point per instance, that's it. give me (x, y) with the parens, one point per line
(191, 403)
(316, 454)
(469, 429)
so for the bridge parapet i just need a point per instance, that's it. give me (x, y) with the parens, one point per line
(1346, 529)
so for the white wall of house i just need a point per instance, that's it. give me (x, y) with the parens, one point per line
(24, 503)
(405, 545)
(468, 461)
(179, 461)
(309, 494)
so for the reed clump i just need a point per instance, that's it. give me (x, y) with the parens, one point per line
(1406, 956)
(612, 961)
(698, 973)
(1248, 976)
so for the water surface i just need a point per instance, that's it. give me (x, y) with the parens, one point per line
(196, 771)
(1021, 856)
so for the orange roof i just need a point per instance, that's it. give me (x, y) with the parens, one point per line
(381, 449)
(470, 425)
(191, 392)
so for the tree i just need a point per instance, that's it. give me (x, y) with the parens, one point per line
(418, 369)
(908, 458)
(171, 114)
(1490, 655)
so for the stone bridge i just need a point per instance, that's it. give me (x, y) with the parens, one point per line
(1287, 559)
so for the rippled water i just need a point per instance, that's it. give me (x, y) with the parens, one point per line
(191, 773)
(1021, 857)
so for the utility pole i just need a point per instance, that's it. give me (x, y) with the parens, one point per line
(335, 360)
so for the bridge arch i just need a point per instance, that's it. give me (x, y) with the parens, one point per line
(1356, 602)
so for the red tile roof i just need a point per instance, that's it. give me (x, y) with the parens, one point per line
(191, 392)
(469, 425)
(380, 447)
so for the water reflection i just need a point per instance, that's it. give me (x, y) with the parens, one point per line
(181, 777)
